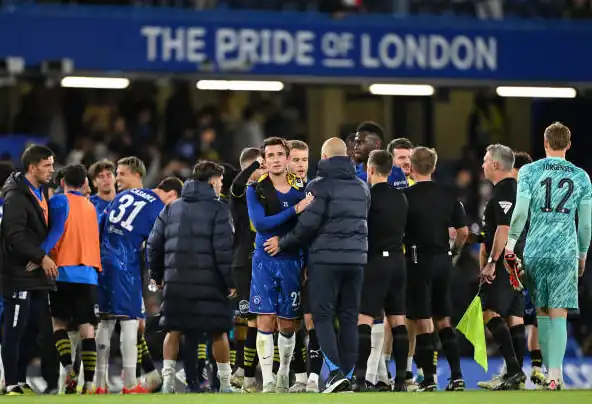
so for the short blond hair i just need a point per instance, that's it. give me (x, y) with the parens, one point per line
(558, 136)
(297, 145)
(423, 160)
(135, 165)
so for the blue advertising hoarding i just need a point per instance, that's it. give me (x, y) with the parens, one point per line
(291, 44)
(14, 145)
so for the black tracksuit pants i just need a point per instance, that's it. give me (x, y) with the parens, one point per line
(335, 291)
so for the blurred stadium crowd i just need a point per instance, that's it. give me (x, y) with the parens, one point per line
(92, 125)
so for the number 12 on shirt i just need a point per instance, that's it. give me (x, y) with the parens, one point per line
(563, 183)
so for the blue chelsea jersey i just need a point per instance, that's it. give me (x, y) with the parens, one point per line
(99, 203)
(127, 223)
(396, 178)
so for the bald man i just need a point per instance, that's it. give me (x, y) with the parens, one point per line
(335, 229)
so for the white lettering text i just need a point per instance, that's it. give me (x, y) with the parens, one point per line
(179, 44)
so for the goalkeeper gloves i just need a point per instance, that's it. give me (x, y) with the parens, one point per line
(514, 267)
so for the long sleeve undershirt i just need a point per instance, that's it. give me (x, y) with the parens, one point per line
(239, 184)
(261, 222)
(519, 219)
(58, 213)
(584, 227)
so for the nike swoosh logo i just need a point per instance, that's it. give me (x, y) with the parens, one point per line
(267, 357)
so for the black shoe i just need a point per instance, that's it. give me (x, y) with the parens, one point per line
(456, 385)
(50, 391)
(382, 387)
(400, 387)
(424, 386)
(511, 382)
(356, 388)
(336, 383)
(359, 387)
(194, 389)
(408, 376)
(362, 387)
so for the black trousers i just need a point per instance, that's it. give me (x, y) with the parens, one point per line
(335, 291)
(27, 327)
(50, 360)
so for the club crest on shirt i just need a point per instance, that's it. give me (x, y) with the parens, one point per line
(295, 182)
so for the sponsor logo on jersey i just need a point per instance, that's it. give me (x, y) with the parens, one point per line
(505, 205)
(243, 306)
(400, 184)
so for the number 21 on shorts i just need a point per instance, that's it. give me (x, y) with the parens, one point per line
(295, 296)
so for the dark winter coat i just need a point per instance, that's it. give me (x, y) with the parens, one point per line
(22, 231)
(190, 249)
(335, 224)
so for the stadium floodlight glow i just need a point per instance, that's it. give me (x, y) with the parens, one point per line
(108, 83)
(536, 92)
(240, 85)
(401, 89)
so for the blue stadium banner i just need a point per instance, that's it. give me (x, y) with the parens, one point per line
(13, 145)
(289, 44)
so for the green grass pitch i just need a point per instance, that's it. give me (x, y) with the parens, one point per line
(467, 397)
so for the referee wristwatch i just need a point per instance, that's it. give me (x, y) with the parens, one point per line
(490, 260)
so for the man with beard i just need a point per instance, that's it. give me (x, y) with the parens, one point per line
(370, 136)
(401, 149)
(273, 204)
(24, 228)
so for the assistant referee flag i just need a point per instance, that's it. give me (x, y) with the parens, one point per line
(471, 325)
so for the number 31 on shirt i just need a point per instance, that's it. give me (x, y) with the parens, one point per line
(128, 208)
